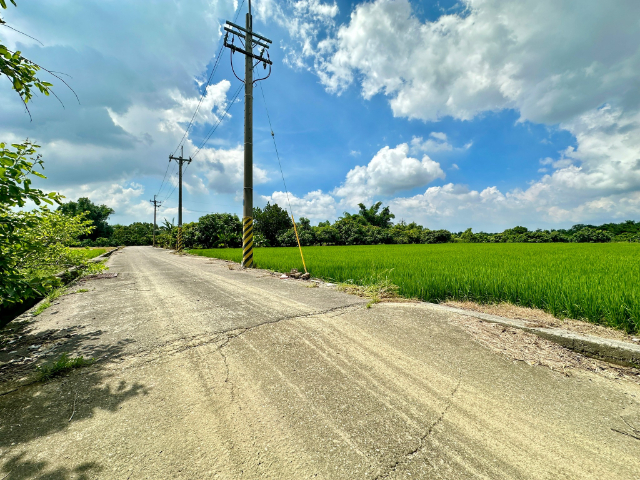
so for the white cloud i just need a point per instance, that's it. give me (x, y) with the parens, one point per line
(223, 169)
(538, 56)
(390, 171)
(123, 197)
(556, 64)
(596, 182)
(317, 206)
(437, 142)
(307, 22)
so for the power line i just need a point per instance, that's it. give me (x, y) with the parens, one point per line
(164, 178)
(211, 132)
(213, 71)
(235, 19)
(276, 147)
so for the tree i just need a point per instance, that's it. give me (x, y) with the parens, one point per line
(435, 236)
(138, 233)
(219, 230)
(21, 72)
(33, 245)
(591, 235)
(98, 214)
(271, 222)
(373, 217)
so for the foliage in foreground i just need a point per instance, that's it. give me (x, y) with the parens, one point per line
(34, 245)
(63, 365)
(595, 282)
(21, 72)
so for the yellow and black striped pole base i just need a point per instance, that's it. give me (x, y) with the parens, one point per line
(247, 242)
(180, 245)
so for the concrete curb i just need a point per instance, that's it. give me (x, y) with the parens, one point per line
(614, 351)
(28, 313)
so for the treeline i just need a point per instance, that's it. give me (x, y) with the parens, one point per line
(370, 226)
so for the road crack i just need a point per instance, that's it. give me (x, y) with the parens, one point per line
(181, 345)
(408, 456)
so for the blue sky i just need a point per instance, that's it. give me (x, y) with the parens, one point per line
(476, 113)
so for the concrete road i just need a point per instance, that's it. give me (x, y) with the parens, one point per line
(207, 372)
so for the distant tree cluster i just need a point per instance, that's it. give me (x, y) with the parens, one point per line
(372, 225)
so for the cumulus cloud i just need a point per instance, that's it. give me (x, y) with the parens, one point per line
(309, 24)
(224, 169)
(436, 142)
(134, 105)
(538, 56)
(317, 206)
(390, 171)
(558, 65)
(124, 197)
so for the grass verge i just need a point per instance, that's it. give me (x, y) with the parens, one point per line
(60, 367)
(377, 288)
(55, 294)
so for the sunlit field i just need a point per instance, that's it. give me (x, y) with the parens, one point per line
(595, 282)
(91, 252)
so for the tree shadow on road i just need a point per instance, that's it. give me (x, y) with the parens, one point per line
(19, 468)
(31, 409)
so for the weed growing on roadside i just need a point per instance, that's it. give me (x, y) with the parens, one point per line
(41, 308)
(55, 294)
(377, 287)
(61, 366)
(81, 290)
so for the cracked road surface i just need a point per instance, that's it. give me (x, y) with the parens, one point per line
(207, 372)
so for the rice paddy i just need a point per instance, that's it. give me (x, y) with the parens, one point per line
(593, 282)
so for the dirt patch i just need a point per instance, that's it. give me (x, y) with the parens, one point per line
(519, 345)
(539, 318)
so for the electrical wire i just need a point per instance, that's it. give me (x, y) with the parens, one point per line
(204, 93)
(211, 132)
(164, 178)
(276, 147)
(213, 71)
(235, 19)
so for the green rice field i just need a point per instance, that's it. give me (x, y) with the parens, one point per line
(594, 282)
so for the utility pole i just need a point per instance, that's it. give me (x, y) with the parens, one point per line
(180, 160)
(156, 204)
(246, 35)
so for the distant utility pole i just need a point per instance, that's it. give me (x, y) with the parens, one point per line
(180, 160)
(156, 204)
(246, 36)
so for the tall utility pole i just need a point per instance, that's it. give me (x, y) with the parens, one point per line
(249, 42)
(180, 160)
(156, 204)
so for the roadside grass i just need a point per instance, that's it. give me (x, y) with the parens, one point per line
(60, 367)
(377, 288)
(88, 253)
(592, 282)
(41, 307)
(55, 294)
